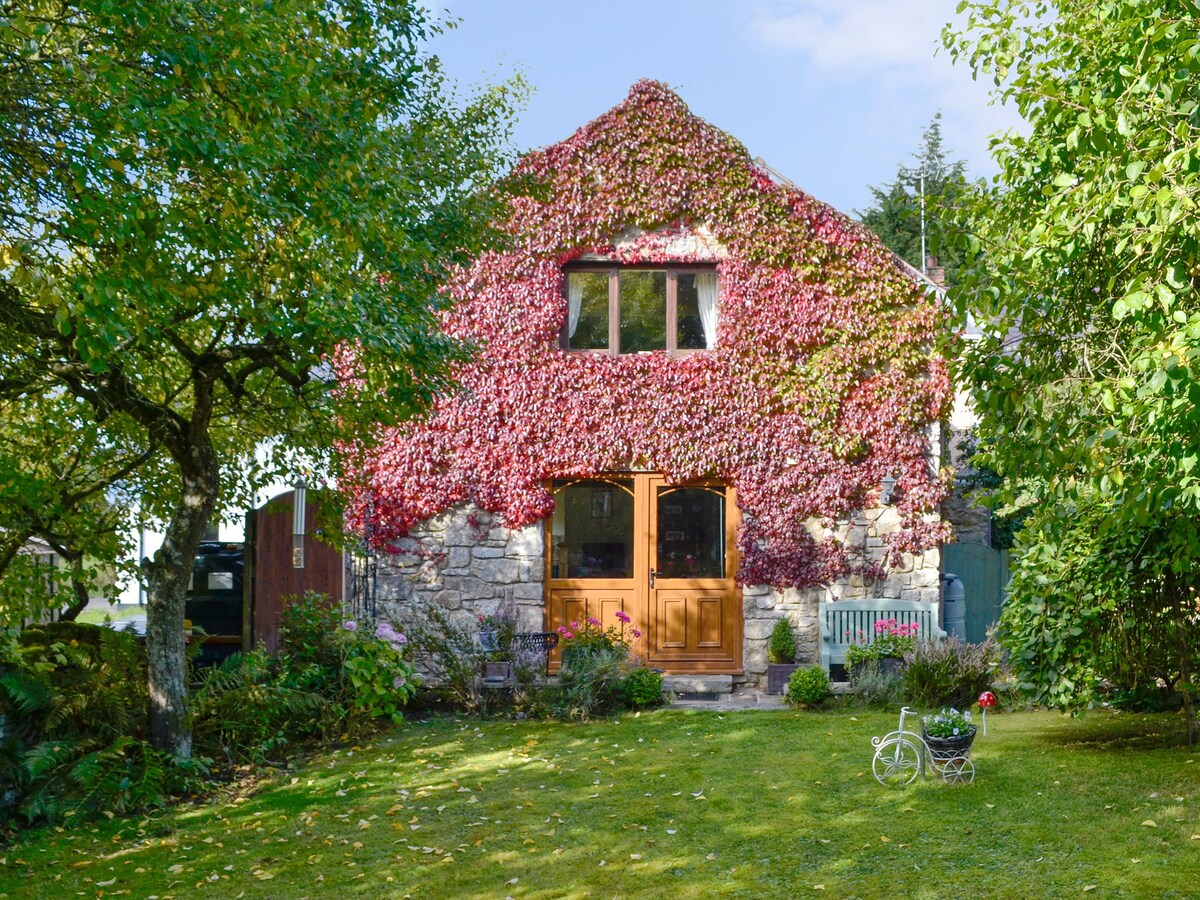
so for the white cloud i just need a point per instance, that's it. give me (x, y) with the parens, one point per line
(859, 35)
(893, 49)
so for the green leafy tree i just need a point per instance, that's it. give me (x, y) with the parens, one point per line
(60, 483)
(895, 215)
(1087, 381)
(202, 205)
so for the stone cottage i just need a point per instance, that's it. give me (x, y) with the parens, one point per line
(690, 390)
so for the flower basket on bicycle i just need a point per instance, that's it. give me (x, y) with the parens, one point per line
(942, 748)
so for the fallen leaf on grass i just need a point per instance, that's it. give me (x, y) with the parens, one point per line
(108, 883)
(1150, 823)
(711, 856)
(885, 839)
(1089, 887)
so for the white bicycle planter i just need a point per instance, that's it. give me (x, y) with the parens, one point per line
(901, 756)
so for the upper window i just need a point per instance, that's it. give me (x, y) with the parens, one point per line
(635, 310)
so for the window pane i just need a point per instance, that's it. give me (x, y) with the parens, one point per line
(592, 529)
(691, 532)
(587, 295)
(643, 297)
(690, 332)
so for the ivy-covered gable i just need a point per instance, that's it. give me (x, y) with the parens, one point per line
(821, 382)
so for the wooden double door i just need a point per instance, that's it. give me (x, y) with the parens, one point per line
(662, 554)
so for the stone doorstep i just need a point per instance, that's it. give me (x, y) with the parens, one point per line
(696, 684)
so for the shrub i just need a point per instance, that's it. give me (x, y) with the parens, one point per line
(949, 672)
(379, 680)
(329, 674)
(590, 636)
(591, 680)
(74, 704)
(642, 688)
(874, 687)
(244, 710)
(782, 646)
(808, 687)
(308, 627)
(446, 650)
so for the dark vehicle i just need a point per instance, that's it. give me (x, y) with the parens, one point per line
(216, 599)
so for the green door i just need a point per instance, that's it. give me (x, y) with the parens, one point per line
(984, 574)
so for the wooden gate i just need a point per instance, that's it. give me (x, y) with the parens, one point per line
(984, 574)
(269, 548)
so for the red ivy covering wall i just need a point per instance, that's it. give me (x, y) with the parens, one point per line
(823, 379)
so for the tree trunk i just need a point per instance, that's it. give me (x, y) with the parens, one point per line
(1185, 679)
(78, 587)
(167, 576)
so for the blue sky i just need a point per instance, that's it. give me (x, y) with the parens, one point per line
(834, 94)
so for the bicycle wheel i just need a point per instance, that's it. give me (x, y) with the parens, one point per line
(958, 770)
(897, 762)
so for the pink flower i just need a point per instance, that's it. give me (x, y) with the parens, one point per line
(575, 625)
(592, 621)
(636, 634)
(622, 616)
(350, 625)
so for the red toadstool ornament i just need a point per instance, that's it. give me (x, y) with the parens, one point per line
(986, 701)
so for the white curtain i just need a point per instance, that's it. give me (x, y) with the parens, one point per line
(706, 292)
(574, 302)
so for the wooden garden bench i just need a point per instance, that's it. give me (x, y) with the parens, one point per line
(842, 620)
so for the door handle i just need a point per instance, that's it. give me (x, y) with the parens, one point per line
(653, 574)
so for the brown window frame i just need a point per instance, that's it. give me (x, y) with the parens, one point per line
(614, 304)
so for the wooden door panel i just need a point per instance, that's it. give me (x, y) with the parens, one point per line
(671, 621)
(709, 631)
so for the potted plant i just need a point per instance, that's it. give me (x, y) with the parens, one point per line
(781, 657)
(948, 733)
(892, 640)
(496, 633)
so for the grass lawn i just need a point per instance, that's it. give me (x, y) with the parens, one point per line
(668, 804)
(96, 615)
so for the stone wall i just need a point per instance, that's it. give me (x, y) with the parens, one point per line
(917, 578)
(469, 565)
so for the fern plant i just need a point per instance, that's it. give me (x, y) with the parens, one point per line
(244, 710)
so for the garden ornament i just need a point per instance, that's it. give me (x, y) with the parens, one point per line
(986, 701)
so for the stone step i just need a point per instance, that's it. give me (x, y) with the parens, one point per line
(698, 684)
